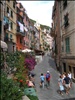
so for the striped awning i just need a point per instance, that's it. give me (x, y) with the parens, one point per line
(3, 45)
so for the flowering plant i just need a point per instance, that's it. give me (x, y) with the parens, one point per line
(30, 63)
(21, 81)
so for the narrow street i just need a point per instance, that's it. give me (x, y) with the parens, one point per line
(51, 93)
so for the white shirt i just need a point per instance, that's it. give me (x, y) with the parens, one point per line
(70, 76)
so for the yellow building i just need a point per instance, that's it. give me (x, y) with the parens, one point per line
(10, 25)
(41, 40)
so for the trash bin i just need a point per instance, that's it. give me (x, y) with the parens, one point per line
(30, 91)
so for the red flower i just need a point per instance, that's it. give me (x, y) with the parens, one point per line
(21, 81)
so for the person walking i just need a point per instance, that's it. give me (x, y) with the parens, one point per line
(60, 84)
(42, 79)
(63, 75)
(67, 83)
(48, 79)
(70, 76)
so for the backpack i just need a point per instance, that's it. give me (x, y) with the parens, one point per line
(47, 76)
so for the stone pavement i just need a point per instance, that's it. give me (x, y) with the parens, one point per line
(50, 94)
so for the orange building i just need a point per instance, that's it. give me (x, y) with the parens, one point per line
(20, 27)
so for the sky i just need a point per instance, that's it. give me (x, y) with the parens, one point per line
(40, 11)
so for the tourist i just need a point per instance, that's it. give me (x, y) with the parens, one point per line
(67, 83)
(48, 79)
(70, 76)
(63, 75)
(60, 84)
(42, 79)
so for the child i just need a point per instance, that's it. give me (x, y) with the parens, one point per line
(42, 78)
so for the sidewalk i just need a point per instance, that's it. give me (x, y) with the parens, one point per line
(50, 94)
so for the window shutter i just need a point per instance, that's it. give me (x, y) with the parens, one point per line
(67, 45)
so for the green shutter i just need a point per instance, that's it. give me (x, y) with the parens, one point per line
(67, 45)
(11, 36)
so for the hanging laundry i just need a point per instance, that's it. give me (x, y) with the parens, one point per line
(21, 27)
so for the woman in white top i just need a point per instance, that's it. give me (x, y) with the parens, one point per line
(70, 76)
(60, 84)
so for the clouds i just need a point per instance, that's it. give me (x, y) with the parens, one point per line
(39, 10)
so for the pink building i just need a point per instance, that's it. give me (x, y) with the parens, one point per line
(26, 26)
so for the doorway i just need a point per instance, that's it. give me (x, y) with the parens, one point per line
(70, 68)
(74, 71)
(64, 67)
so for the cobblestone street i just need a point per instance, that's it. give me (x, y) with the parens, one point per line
(51, 93)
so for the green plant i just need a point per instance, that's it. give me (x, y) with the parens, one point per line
(9, 89)
(1, 60)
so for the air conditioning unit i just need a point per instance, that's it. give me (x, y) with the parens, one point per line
(8, 15)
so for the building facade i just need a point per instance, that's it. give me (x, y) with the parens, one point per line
(10, 25)
(57, 36)
(63, 31)
(67, 27)
(20, 34)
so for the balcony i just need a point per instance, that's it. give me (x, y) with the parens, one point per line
(5, 23)
(20, 33)
(6, 39)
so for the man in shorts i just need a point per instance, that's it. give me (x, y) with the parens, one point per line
(67, 83)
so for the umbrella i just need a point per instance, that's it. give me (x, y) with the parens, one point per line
(26, 50)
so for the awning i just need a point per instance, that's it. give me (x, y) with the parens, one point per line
(3, 45)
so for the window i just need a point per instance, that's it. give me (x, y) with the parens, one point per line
(66, 20)
(20, 40)
(14, 5)
(11, 25)
(64, 4)
(7, 10)
(11, 14)
(10, 36)
(67, 42)
(6, 37)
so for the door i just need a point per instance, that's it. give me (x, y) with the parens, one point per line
(64, 67)
(74, 71)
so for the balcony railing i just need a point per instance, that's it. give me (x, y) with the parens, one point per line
(8, 39)
(20, 33)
